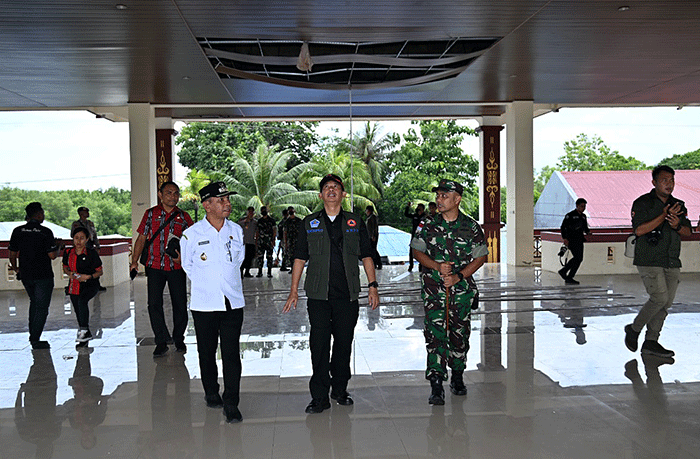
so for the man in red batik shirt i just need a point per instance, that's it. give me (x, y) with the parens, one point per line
(161, 268)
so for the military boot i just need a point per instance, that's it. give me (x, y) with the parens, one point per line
(437, 393)
(457, 386)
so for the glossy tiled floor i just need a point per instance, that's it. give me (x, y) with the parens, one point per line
(548, 377)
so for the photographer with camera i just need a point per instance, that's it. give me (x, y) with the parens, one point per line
(659, 220)
(156, 248)
(573, 231)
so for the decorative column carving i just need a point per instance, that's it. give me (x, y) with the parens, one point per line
(164, 156)
(491, 189)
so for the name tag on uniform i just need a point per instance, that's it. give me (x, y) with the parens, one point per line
(203, 243)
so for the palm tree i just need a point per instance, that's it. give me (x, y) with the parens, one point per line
(354, 173)
(371, 147)
(195, 181)
(263, 180)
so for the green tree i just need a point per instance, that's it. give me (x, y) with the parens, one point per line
(110, 209)
(355, 174)
(541, 179)
(189, 192)
(372, 147)
(591, 154)
(214, 147)
(263, 180)
(685, 161)
(425, 156)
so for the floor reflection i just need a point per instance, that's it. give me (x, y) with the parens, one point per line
(547, 375)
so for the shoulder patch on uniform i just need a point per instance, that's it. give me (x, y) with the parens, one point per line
(314, 223)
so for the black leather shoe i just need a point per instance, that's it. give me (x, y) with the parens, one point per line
(259, 273)
(562, 273)
(437, 393)
(457, 386)
(180, 346)
(214, 401)
(160, 350)
(317, 406)
(631, 338)
(233, 414)
(343, 398)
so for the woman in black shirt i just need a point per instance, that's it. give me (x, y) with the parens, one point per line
(83, 266)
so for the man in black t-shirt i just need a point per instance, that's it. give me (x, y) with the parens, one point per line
(35, 246)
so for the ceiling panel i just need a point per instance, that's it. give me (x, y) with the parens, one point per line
(66, 54)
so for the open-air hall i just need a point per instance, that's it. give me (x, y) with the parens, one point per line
(548, 373)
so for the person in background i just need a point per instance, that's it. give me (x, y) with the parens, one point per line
(83, 267)
(416, 218)
(267, 231)
(250, 235)
(34, 246)
(573, 230)
(280, 238)
(291, 232)
(93, 240)
(372, 223)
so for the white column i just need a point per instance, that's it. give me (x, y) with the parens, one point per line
(520, 189)
(143, 161)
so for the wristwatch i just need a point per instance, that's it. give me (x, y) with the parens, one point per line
(373, 284)
(460, 275)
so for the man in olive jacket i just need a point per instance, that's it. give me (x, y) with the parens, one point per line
(332, 241)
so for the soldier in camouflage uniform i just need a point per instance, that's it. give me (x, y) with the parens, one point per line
(451, 248)
(267, 230)
(291, 232)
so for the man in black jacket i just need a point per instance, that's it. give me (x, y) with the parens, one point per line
(573, 231)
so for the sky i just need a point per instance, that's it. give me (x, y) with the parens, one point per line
(47, 150)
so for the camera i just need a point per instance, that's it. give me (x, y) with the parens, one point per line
(653, 237)
(562, 251)
(173, 246)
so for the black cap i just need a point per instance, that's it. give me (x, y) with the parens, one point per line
(449, 185)
(214, 190)
(32, 208)
(331, 178)
(83, 208)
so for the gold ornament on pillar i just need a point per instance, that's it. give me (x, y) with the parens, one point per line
(164, 156)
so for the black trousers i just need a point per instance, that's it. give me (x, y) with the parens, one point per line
(39, 291)
(80, 304)
(250, 251)
(332, 318)
(571, 266)
(209, 328)
(375, 255)
(177, 284)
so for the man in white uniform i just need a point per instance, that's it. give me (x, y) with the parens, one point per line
(212, 253)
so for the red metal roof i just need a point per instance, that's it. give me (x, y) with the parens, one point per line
(610, 194)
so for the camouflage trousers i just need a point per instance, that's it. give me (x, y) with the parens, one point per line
(262, 250)
(446, 345)
(288, 257)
